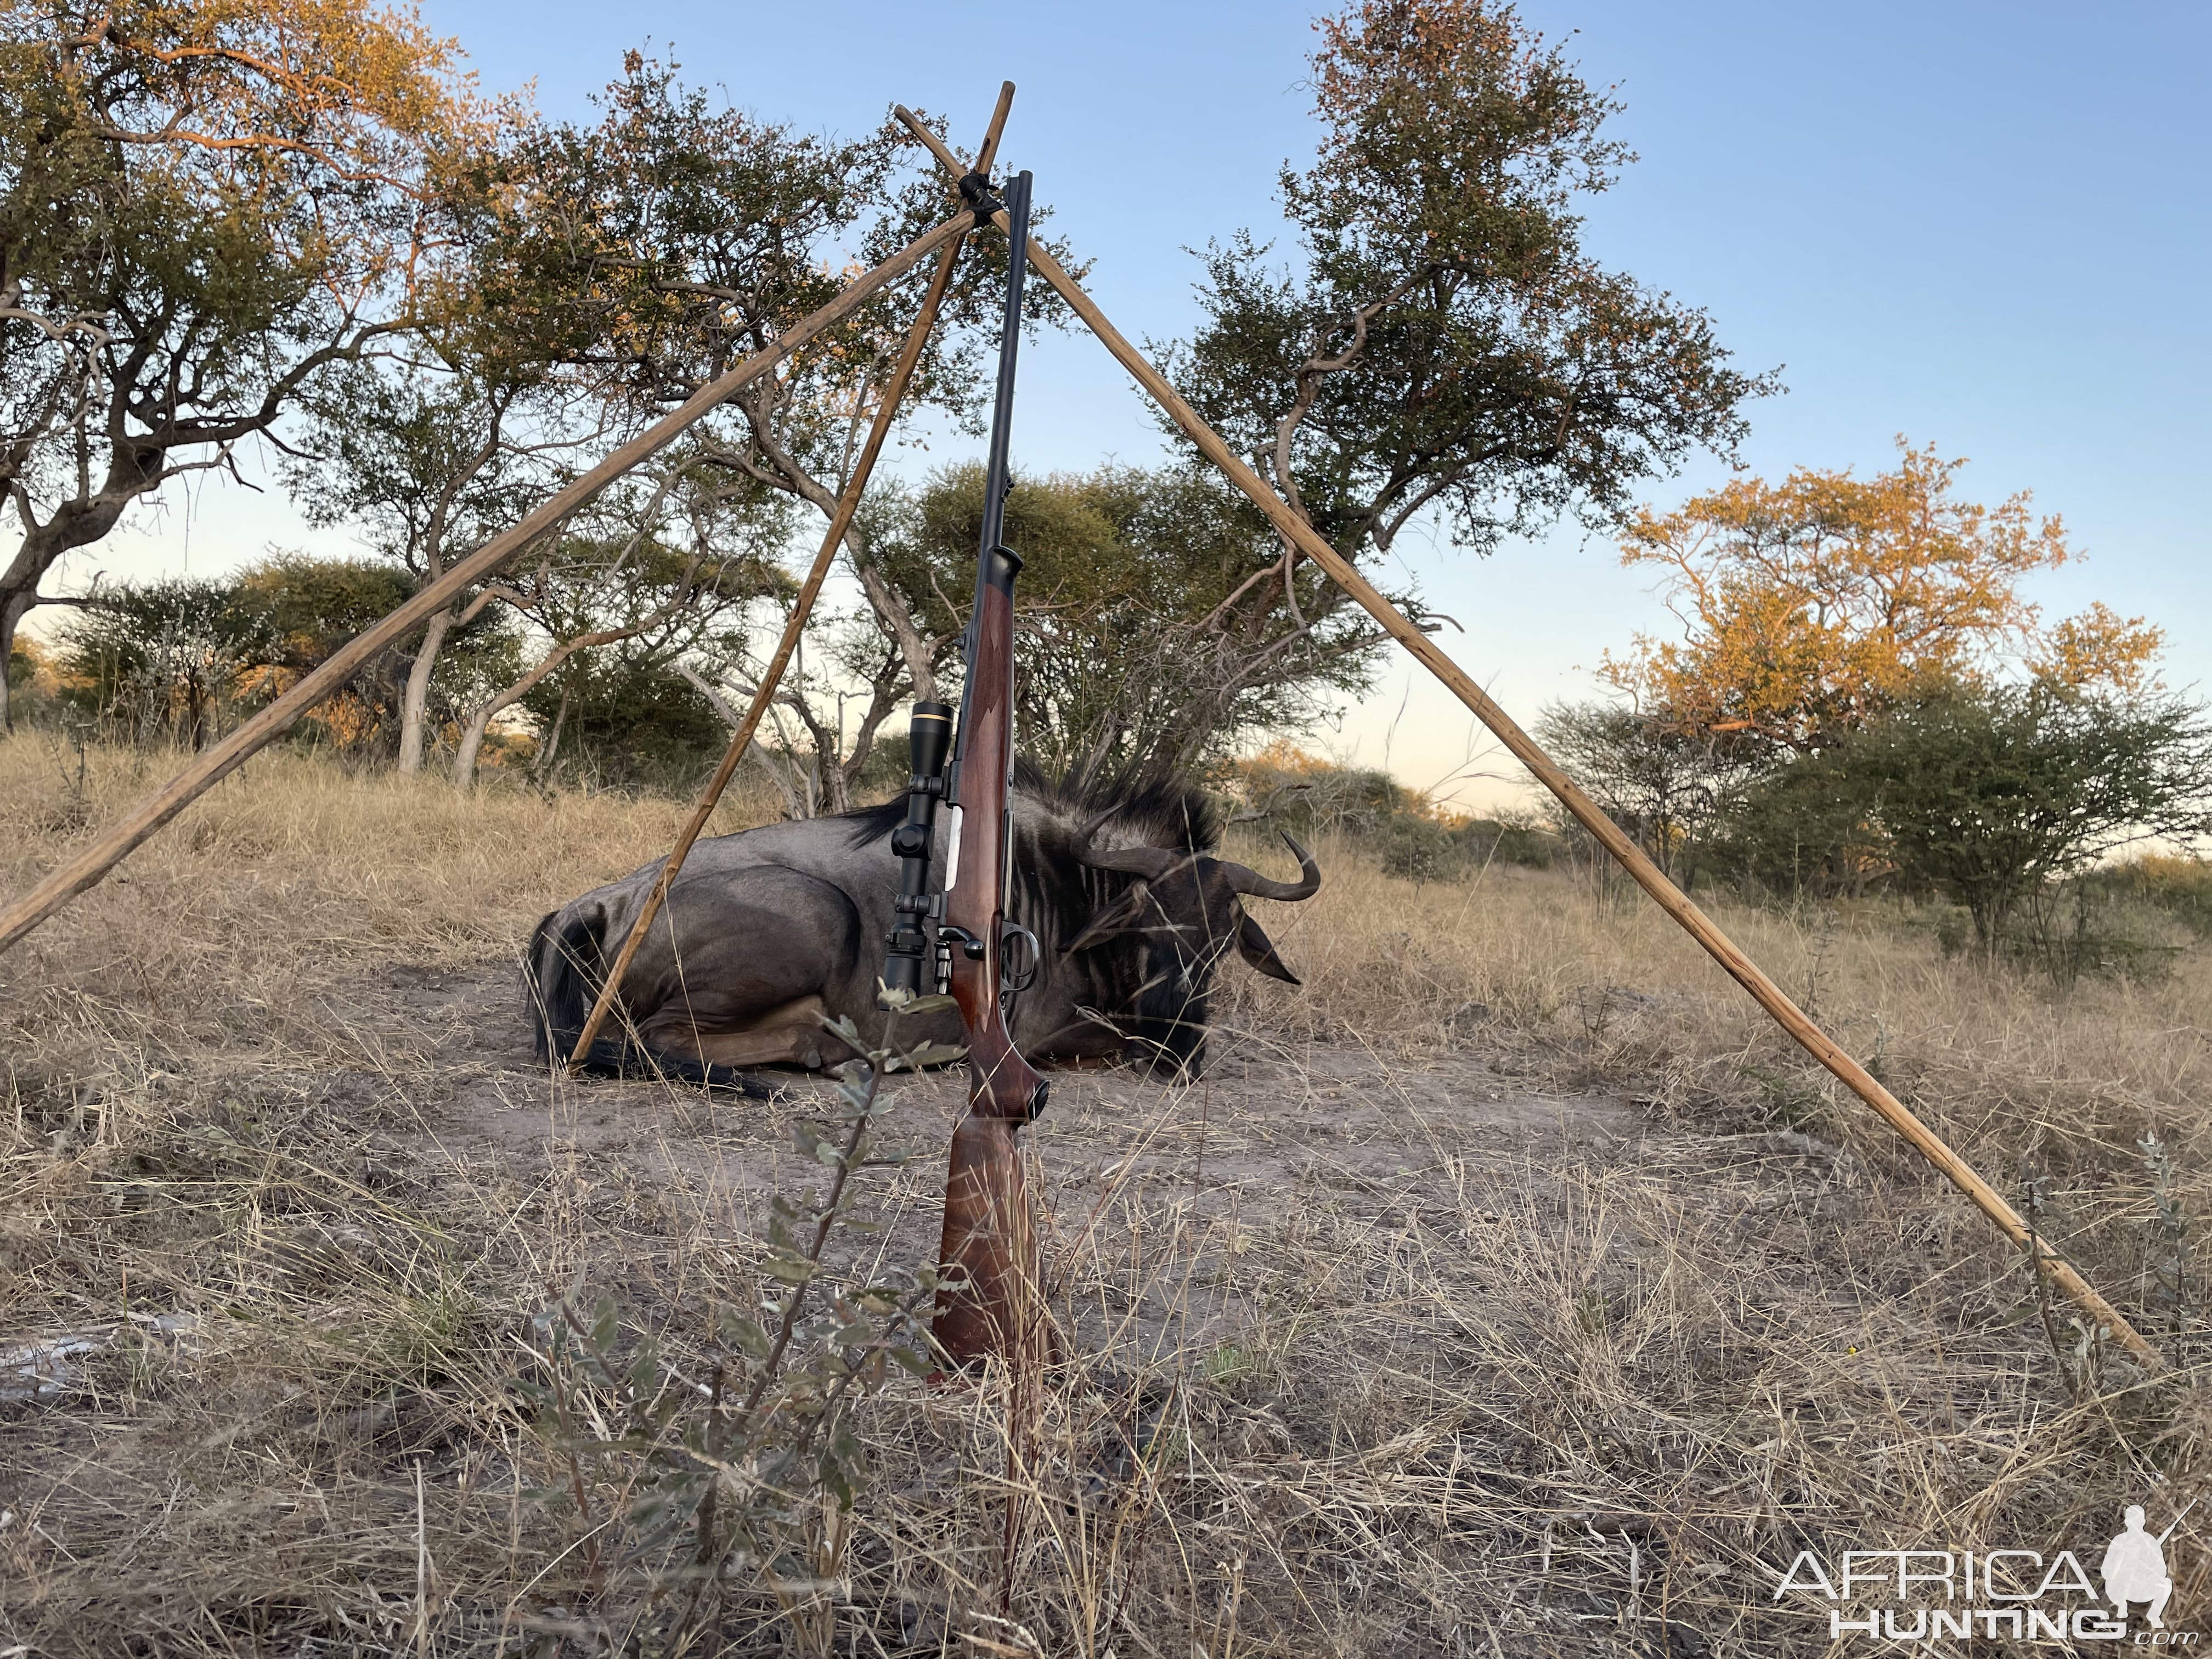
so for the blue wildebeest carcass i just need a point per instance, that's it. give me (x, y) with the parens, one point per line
(769, 932)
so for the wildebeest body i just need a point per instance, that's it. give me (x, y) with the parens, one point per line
(767, 932)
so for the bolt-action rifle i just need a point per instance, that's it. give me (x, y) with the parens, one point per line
(961, 939)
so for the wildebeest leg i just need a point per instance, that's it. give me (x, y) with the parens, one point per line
(789, 1035)
(742, 965)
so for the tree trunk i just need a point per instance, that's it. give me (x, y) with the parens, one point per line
(542, 768)
(464, 759)
(14, 607)
(133, 470)
(414, 702)
(897, 621)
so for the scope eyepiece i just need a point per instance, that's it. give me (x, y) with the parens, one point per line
(929, 738)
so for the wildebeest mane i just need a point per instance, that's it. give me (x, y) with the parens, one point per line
(1151, 812)
(1058, 893)
(1154, 812)
(873, 824)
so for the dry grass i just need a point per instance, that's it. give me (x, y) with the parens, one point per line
(1510, 1289)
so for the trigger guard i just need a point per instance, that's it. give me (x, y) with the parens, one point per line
(1009, 977)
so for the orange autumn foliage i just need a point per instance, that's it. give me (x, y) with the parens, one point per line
(1809, 606)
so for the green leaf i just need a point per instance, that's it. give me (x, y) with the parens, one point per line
(904, 1002)
(744, 1335)
(607, 1324)
(830, 1154)
(645, 1370)
(909, 1360)
(790, 1270)
(834, 1478)
(933, 1054)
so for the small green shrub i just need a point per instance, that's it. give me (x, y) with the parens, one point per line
(711, 1485)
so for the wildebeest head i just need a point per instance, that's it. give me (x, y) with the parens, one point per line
(1184, 908)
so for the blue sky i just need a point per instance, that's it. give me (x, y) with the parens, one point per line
(1984, 226)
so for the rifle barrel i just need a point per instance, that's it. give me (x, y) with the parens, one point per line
(997, 470)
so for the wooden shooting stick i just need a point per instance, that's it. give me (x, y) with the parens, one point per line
(772, 677)
(1654, 881)
(213, 765)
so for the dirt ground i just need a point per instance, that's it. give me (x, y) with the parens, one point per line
(1266, 1133)
(1422, 1201)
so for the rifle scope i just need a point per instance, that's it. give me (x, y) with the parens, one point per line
(929, 737)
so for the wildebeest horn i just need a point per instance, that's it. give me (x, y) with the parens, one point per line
(1149, 862)
(1252, 884)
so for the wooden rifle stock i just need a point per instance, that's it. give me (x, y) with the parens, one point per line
(988, 1251)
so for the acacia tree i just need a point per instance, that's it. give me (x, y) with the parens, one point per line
(167, 661)
(1443, 346)
(1669, 788)
(695, 233)
(681, 572)
(1808, 607)
(174, 659)
(201, 209)
(1158, 637)
(1991, 793)
(425, 458)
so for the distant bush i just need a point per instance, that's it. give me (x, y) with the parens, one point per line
(1408, 836)
(34, 679)
(1667, 789)
(1806, 829)
(1993, 797)
(167, 661)
(2090, 925)
(180, 661)
(1307, 794)
(624, 718)
(2180, 886)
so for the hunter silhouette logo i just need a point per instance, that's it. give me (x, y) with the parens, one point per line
(2135, 1567)
(1918, 1595)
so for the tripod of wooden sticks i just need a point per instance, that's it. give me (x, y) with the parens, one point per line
(91, 864)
